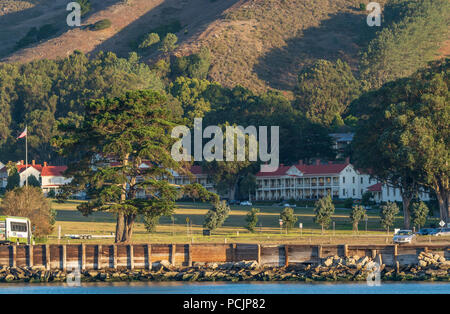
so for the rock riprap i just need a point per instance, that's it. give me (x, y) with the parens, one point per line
(430, 267)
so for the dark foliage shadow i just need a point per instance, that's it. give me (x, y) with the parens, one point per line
(337, 37)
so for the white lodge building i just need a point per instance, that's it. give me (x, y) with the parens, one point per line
(300, 181)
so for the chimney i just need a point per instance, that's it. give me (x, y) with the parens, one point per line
(347, 160)
(33, 162)
(317, 161)
(45, 163)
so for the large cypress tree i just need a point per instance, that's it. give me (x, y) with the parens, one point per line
(129, 130)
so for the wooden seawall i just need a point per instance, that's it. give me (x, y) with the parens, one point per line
(90, 256)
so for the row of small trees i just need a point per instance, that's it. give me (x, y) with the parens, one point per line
(324, 209)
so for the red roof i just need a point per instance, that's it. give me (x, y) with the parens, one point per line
(21, 168)
(375, 188)
(196, 170)
(306, 169)
(321, 169)
(55, 171)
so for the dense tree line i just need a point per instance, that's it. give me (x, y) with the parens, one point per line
(411, 34)
(41, 92)
(403, 135)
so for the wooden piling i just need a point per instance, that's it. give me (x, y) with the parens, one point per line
(172, 256)
(259, 254)
(286, 255)
(131, 250)
(14, 255)
(114, 256)
(149, 256)
(83, 256)
(99, 256)
(64, 257)
(374, 254)
(30, 255)
(189, 255)
(47, 257)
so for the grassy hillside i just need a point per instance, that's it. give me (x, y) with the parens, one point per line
(262, 44)
(259, 44)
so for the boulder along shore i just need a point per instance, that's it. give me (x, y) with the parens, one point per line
(431, 267)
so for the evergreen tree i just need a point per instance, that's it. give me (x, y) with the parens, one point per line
(419, 214)
(288, 218)
(357, 214)
(132, 128)
(216, 216)
(388, 213)
(323, 210)
(252, 219)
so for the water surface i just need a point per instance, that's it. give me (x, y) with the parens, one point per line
(228, 288)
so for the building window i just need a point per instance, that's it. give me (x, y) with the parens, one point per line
(343, 192)
(343, 179)
(362, 180)
(353, 179)
(354, 192)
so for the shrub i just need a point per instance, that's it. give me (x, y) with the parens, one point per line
(348, 203)
(51, 193)
(33, 181)
(196, 65)
(13, 180)
(150, 223)
(85, 6)
(35, 35)
(150, 40)
(30, 202)
(102, 24)
(288, 218)
(362, 7)
(217, 215)
(169, 43)
(252, 219)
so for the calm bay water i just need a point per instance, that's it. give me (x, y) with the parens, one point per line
(228, 288)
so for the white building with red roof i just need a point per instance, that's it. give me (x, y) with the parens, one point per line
(302, 181)
(50, 177)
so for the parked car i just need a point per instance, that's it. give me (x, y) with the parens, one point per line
(427, 231)
(246, 203)
(233, 202)
(289, 205)
(442, 232)
(404, 236)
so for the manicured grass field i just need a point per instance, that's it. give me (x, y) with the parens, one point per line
(268, 231)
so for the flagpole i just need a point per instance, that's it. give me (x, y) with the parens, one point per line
(26, 155)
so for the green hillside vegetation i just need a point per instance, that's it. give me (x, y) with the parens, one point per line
(411, 36)
(40, 92)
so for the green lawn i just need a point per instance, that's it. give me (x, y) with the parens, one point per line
(73, 222)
